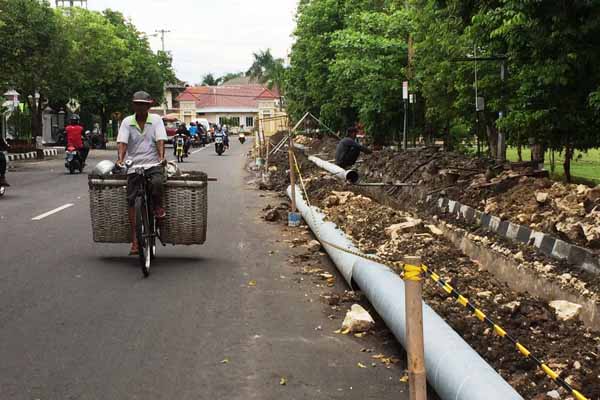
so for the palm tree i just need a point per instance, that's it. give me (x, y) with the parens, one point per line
(210, 80)
(267, 70)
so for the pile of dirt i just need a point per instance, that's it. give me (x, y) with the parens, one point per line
(572, 212)
(566, 346)
(513, 192)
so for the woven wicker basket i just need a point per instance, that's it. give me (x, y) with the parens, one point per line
(185, 200)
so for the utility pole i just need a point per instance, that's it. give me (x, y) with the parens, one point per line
(501, 149)
(162, 32)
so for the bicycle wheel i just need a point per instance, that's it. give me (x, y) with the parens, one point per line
(153, 237)
(142, 232)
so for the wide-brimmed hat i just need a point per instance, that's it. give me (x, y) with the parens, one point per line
(142, 97)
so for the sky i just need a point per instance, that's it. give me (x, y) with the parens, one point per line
(211, 36)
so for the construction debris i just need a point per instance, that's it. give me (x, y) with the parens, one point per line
(521, 195)
(565, 310)
(357, 320)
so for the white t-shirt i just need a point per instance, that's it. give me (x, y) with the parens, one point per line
(141, 146)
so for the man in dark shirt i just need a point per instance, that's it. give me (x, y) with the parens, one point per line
(348, 150)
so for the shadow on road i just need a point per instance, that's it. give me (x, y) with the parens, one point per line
(170, 262)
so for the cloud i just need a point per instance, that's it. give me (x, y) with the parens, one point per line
(216, 36)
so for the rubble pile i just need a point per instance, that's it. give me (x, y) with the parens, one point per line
(512, 192)
(549, 330)
(278, 168)
(572, 212)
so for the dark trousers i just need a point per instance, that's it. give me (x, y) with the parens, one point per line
(84, 151)
(156, 182)
(2, 164)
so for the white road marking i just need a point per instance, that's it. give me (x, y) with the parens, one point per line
(195, 151)
(47, 214)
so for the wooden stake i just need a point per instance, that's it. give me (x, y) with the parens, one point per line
(417, 378)
(267, 156)
(292, 174)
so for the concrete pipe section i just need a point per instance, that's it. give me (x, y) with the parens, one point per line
(454, 369)
(349, 175)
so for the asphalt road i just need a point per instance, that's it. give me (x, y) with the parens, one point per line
(78, 321)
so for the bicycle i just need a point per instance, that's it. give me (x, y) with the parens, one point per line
(146, 227)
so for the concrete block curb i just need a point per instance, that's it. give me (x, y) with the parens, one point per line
(547, 244)
(32, 154)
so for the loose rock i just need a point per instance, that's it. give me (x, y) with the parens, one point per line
(272, 215)
(434, 229)
(565, 310)
(313, 246)
(541, 197)
(357, 320)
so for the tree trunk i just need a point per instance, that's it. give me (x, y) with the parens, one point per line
(448, 142)
(537, 155)
(567, 163)
(492, 138)
(519, 153)
(36, 123)
(552, 162)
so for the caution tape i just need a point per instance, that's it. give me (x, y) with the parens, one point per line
(413, 273)
(480, 315)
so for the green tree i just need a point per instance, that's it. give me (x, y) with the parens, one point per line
(142, 70)
(267, 70)
(553, 50)
(98, 67)
(308, 86)
(368, 69)
(210, 80)
(231, 75)
(33, 51)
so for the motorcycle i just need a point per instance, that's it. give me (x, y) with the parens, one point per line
(180, 147)
(242, 138)
(195, 141)
(204, 139)
(219, 145)
(96, 139)
(73, 160)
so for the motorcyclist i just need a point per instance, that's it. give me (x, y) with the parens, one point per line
(182, 130)
(193, 129)
(203, 135)
(219, 133)
(3, 147)
(75, 132)
(225, 132)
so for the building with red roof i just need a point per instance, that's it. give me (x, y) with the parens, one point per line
(242, 106)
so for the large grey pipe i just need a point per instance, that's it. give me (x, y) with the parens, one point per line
(349, 175)
(454, 369)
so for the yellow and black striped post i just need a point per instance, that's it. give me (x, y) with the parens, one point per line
(417, 378)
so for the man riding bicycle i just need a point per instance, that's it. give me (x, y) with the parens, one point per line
(141, 139)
